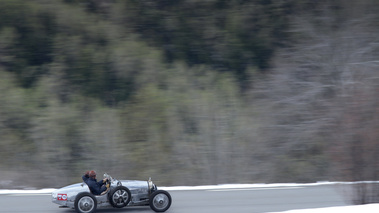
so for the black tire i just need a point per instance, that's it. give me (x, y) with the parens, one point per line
(85, 203)
(119, 197)
(160, 201)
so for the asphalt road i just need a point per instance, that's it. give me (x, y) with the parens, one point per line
(253, 200)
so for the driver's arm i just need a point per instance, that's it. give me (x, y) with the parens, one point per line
(102, 182)
(85, 176)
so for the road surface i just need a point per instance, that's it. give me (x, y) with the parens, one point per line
(251, 200)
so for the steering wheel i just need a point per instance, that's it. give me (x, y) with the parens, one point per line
(108, 181)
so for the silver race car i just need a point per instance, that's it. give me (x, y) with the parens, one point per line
(121, 193)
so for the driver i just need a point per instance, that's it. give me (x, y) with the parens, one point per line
(96, 187)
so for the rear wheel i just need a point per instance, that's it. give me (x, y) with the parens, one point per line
(85, 203)
(160, 201)
(119, 197)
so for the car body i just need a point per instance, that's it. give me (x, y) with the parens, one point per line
(121, 193)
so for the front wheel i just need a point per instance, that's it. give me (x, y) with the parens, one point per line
(85, 203)
(160, 201)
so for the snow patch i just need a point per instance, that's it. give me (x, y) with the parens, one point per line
(258, 185)
(26, 191)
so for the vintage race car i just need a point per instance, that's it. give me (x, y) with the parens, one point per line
(121, 193)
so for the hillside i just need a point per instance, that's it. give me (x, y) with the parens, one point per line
(187, 91)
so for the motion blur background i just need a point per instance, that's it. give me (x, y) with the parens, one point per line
(188, 91)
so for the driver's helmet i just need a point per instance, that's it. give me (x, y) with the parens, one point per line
(92, 174)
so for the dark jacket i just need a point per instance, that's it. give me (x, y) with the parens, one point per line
(95, 186)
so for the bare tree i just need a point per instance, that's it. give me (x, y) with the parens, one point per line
(319, 97)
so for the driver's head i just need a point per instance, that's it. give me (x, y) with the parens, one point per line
(92, 174)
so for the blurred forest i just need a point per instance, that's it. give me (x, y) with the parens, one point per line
(189, 91)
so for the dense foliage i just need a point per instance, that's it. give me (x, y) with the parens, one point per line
(189, 91)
